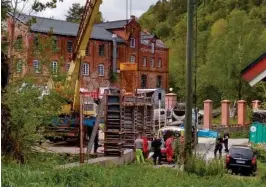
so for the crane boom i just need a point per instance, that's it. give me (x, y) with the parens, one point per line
(91, 10)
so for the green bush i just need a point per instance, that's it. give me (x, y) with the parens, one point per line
(200, 166)
(260, 152)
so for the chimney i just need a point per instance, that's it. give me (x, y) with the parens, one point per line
(132, 17)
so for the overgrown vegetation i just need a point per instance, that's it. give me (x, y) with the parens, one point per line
(199, 166)
(28, 104)
(127, 175)
(230, 35)
(261, 152)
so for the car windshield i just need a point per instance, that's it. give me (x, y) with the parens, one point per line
(241, 153)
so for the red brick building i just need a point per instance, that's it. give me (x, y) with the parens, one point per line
(142, 59)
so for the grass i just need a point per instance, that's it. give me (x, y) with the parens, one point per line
(217, 120)
(132, 175)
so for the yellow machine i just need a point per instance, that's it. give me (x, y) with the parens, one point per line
(91, 10)
(66, 124)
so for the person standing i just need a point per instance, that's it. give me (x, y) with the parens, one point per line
(169, 149)
(226, 138)
(145, 145)
(156, 145)
(139, 149)
(218, 147)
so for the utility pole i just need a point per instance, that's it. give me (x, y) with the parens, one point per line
(189, 90)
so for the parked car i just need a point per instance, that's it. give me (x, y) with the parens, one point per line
(241, 159)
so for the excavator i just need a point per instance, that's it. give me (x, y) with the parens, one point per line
(66, 125)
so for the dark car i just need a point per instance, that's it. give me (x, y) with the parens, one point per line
(241, 159)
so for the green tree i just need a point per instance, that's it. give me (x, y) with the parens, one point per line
(25, 108)
(230, 35)
(74, 14)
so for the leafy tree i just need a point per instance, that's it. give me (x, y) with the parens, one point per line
(25, 108)
(74, 14)
(230, 35)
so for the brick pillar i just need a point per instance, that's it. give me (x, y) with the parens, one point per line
(241, 112)
(255, 104)
(207, 114)
(225, 112)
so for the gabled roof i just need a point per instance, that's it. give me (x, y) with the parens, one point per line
(60, 27)
(255, 62)
(145, 40)
(256, 71)
(114, 24)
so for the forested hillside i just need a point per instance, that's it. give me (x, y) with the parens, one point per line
(230, 35)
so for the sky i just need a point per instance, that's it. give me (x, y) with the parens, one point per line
(111, 9)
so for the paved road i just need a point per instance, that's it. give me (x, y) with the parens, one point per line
(206, 145)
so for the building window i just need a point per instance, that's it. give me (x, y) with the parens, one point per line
(152, 62)
(143, 81)
(101, 70)
(69, 46)
(159, 82)
(152, 48)
(36, 66)
(132, 59)
(55, 42)
(86, 69)
(87, 52)
(36, 41)
(159, 63)
(54, 67)
(101, 49)
(18, 43)
(19, 66)
(144, 61)
(132, 42)
(67, 67)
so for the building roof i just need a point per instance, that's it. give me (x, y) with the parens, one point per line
(255, 71)
(100, 31)
(146, 37)
(254, 63)
(60, 27)
(114, 24)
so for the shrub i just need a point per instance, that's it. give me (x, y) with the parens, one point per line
(260, 152)
(201, 167)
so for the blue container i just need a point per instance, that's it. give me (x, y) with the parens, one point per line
(89, 121)
(257, 133)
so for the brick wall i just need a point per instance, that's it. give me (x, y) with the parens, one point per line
(92, 80)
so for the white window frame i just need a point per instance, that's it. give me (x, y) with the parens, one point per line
(159, 63)
(132, 42)
(86, 69)
(132, 59)
(101, 70)
(36, 66)
(152, 62)
(144, 61)
(54, 67)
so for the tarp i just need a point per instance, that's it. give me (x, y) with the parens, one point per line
(207, 134)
